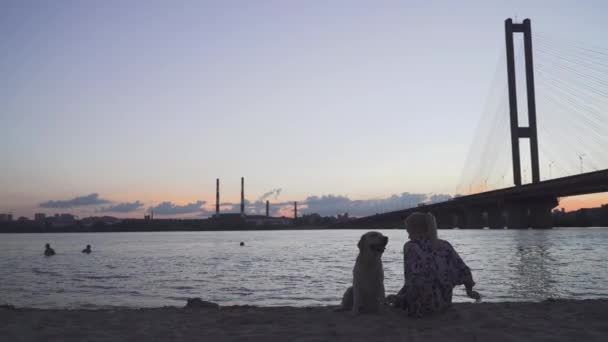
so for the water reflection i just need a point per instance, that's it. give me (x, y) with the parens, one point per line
(532, 265)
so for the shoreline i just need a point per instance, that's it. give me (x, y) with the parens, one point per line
(556, 320)
(258, 229)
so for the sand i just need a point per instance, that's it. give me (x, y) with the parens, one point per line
(547, 321)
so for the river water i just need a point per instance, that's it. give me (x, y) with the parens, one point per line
(296, 268)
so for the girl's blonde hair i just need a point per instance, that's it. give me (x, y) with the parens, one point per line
(422, 225)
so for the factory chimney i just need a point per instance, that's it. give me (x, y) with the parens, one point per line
(267, 208)
(295, 210)
(242, 195)
(217, 197)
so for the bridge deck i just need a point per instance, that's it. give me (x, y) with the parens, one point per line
(587, 183)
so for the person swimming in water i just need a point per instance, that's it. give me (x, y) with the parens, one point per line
(87, 250)
(48, 251)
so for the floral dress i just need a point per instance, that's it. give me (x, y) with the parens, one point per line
(430, 275)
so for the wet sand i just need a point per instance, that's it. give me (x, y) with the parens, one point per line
(585, 320)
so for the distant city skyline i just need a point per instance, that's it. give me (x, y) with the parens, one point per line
(326, 205)
(124, 106)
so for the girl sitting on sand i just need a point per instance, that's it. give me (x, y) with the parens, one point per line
(431, 267)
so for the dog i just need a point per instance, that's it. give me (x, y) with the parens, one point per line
(367, 293)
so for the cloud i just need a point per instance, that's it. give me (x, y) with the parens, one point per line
(169, 208)
(230, 207)
(259, 207)
(331, 205)
(126, 207)
(92, 199)
(327, 205)
(436, 198)
(275, 192)
(253, 208)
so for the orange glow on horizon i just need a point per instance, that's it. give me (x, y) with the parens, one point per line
(583, 201)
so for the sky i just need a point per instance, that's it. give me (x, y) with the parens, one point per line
(115, 107)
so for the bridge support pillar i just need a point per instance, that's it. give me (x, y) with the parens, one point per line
(474, 218)
(496, 218)
(517, 216)
(444, 219)
(532, 213)
(540, 213)
(459, 219)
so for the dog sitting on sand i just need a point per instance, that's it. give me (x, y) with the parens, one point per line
(367, 293)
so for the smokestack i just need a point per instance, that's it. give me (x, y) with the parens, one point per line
(242, 195)
(267, 207)
(295, 210)
(217, 196)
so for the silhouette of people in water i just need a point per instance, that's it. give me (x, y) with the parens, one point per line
(48, 251)
(87, 250)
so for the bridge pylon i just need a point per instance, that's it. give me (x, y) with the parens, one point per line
(518, 132)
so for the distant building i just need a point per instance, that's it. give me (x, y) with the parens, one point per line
(262, 220)
(584, 217)
(106, 220)
(23, 219)
(234, 220)
(6, 217)
(230, 219)
(39, 217)
(343, 218)
(63, 220)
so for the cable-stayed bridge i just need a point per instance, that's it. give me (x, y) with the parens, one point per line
(553, 144)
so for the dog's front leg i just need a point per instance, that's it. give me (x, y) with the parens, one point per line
(356, 300)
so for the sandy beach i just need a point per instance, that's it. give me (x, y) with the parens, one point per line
(547, 321)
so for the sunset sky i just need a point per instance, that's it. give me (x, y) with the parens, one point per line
(113, 107)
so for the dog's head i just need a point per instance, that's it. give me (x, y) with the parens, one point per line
(372, 242)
